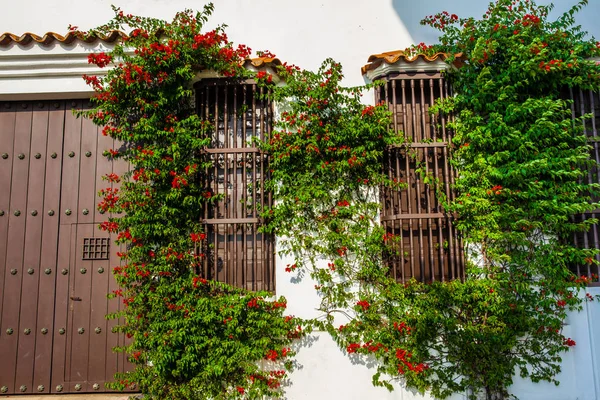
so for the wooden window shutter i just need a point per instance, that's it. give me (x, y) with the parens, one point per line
(427, 246)
(237, 253)
(588, 102)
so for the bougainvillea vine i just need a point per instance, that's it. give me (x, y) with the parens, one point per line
(519, 157)
(190, 338)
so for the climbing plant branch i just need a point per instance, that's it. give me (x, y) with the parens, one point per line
(520, 157)
(189, 337)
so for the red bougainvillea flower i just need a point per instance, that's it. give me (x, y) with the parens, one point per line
(262, 75)
(100, 59)
(290, 268)
(353, 347)
(364, 304)
(197, 237)
(198, 281)
(271, 355)
(109, 226)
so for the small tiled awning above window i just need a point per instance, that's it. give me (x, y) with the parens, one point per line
(8, 39)
(399, 61)
(50, 66)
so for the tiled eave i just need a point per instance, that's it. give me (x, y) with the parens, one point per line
(7, 39)
(398, 61)
(31, 70)
(51, 66)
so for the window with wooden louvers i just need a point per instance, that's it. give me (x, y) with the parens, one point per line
(236, 252)
(427, 246)
(587, 102)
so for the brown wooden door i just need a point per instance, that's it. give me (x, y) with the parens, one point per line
(30, 173)
(55, 265)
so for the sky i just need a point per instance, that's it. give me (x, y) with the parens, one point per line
(411, 12)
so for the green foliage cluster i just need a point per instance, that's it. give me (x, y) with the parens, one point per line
(190, 338)
(326, 171)
(327, 155)
(520, 159)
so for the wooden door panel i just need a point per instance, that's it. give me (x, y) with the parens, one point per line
(31, 255)
(49, 272)
(100, 275)
(7, 134)
(68, 196)
(82, 208)
(12, 337)
(51, 168)
(88, 358)
(115, 361)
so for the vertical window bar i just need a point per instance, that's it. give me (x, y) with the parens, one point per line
(244, 188)
(271, 240)
(417, 186)
(596, 169)
(262, 193)
(436, 168)
(427, 187)
(586, 243)
(395, 194)
(453, 244)
(408, 182)
(574, 218)
(254, 197)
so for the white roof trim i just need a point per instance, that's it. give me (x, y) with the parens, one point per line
(401, 66)
(47, 72)
(35, 72)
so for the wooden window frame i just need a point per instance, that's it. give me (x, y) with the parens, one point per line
(588, 102)
(236, 252)
(426, 245)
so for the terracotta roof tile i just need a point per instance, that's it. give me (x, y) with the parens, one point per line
(260, 62)
(7, 39)
(392, 57)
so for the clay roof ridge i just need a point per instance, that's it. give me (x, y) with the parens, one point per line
(392, 57)
(50, 37)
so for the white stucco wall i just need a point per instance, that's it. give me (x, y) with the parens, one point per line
(580, 376)
(302, 33)
(299, 32)
(327, 373)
